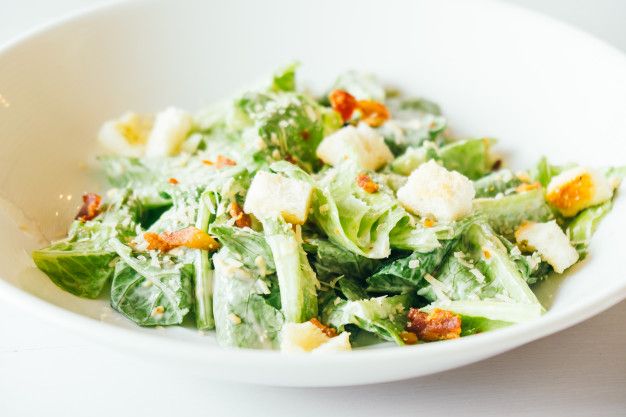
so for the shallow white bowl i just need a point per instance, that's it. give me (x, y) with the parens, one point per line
(538, 85)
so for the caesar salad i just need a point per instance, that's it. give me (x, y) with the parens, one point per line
(285, 220)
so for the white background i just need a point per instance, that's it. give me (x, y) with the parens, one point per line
(45, 371)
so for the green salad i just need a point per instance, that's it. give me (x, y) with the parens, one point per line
(286, 220)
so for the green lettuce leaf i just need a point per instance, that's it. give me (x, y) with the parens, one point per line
(147, 294)
(83, 263)
(382, 316)
(471, 157)
(330, 260)
(285, 78)
(507, 213)
(244, 314)
(407, 274)
(500, 182)
(581, 229)
(361, 222)
(296, 279)
(291, 125)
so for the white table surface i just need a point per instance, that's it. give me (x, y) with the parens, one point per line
(45, 371)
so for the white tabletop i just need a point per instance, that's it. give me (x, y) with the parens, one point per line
(45, 371)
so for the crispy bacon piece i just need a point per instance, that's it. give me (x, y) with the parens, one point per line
(223, 161)
(373, 112)
(241, 218)
(366, 183)
(522, 188)
(291, 159)
(343, 103)
(90, 208)
(328, 331)
(190, 237)
(438, 325)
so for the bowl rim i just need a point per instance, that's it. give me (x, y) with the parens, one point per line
(492, 342)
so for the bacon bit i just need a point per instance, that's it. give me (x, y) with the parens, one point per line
(223, 161)
(241, 218)
(428, 222)
(486, 254)
(305, 135)
(190, 237)
(373, 113)
(207, 162)
(328, 331)
(365, 182)
(155, 242)
(343, 103)
(522, 188)
(173, 181)
(90, 208)
(438, 325)
(291, 159)
(408, 338)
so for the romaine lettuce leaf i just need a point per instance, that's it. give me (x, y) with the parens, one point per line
(83, 263)
(488, 314)
(500, 182)
(507, 213)
(330, 260)
(407, 274)
(383, 316)
(76, 268)
(285, 78)
(584, 225)
(150, 292)
(296, 279)
(291, 125)
(203, 269)
(244, 315)
(415, 123)
(492, 258)
(471, 157)
(352, 218)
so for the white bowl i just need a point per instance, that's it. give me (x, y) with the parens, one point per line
(538, 85)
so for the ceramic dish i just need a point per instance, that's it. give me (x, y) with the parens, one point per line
(537, 85)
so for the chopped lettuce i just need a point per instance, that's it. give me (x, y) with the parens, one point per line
(330, 260)
(357, 259)
(501, 182)
(290, 125)
(296, 279)
(471, 157)
(352, 218)
(407, 273)
(383, 316)
(83, 263)
(285, 78)
(244, 315)
(506, 213)
(584, 225)
(152, 291)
